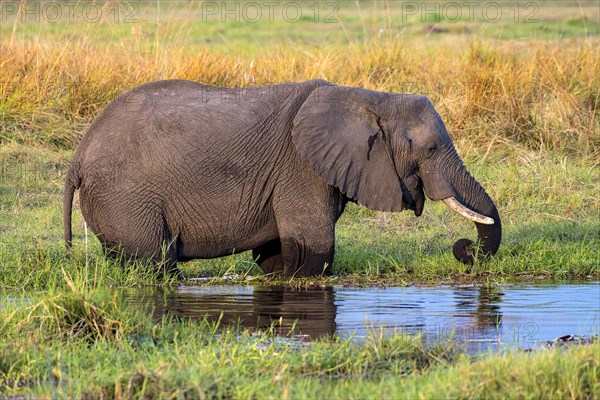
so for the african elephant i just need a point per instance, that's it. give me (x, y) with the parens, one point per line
(174, 170)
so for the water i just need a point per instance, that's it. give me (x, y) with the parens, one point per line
(481, 317)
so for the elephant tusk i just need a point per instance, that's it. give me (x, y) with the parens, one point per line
(457, 207)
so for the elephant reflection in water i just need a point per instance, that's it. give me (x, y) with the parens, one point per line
(481, 306)
(288, 311)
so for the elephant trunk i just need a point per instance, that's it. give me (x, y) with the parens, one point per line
(450, 182)
(489, 230)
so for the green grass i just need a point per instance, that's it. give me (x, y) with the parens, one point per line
(84, 343)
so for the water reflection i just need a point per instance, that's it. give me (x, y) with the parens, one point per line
(478, 311)
(301, 311)
(521, 315)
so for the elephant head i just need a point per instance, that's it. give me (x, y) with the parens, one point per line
(385, 151)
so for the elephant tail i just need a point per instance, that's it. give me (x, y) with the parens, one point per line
(72, 183)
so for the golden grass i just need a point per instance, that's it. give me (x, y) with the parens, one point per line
(494, 96)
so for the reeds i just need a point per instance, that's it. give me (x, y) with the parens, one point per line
(493, 96)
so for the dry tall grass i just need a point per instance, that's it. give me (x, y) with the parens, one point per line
(542, 96)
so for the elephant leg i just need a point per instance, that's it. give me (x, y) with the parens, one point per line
(307, 258)
(169, 255)
(268, 257)
(126, 236)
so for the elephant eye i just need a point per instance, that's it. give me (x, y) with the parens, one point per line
(431, 148)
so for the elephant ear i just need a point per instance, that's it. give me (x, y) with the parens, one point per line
(338, 131)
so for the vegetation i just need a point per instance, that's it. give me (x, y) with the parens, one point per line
(524, 115)
(80, 343)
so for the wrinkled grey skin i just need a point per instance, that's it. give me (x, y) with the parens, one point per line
(178, 170)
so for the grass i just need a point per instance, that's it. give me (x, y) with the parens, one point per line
(521, 101)
(84, 344)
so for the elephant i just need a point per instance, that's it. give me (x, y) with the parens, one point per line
(174, 170)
